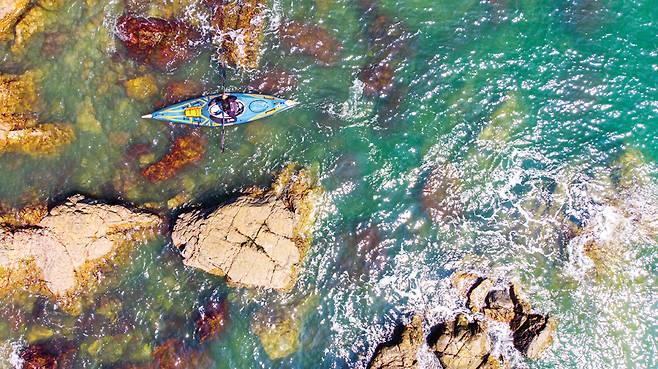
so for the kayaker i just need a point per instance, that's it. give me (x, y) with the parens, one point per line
(226, 103)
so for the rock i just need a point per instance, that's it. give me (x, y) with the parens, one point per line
(401, 351)
(211, 319)
(238, 31)
(38, 333)
(10, 12)
(185, 151)
(441, 196)
(60, 254)
(478, 294)
(460, 343)
(54, 354)
(19, 128)
(177, 91)
(22, 134)
(162, 43)
(279, 332)
(26, 216)
(86, 117)
(257, 239)
(274, 82)
(533, 334)
(310, 40)
(141, 88)
(34, 21)
(173, 354)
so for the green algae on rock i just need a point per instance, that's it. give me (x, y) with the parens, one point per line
(47, 257)
(258, 239)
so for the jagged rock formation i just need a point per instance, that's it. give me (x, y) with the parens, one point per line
(257, 239)
(58, 254)
(401, 352)
(464, 342)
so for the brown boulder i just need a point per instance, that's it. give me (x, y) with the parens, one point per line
(162, 43)
(310, 40)
(59, 254)
(257, 239)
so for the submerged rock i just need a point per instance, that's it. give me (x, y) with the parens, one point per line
(185, 151)
(174, 354)
(60, 254)
(257, 239)
(162, 43)
(54, 354)
(238, 31)
(10, 12)
(310, 40)
(19, 128)
(273, 82)
(141, 88)
(401, 352)
(211, 319)
(177, 91)
(279, 328)
(441, 195)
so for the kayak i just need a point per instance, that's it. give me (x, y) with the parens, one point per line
(195, 111)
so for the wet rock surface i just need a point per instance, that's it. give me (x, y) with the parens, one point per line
(401, 352)
(257, 239)
(310, 40)
(163, 43)
(464, 342)
(532, 333)
(49, 257)
(238, 31)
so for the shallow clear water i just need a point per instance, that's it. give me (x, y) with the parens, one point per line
(532, 103)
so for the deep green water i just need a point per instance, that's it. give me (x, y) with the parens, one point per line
(578, 80)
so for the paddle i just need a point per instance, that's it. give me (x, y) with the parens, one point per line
(222, 139)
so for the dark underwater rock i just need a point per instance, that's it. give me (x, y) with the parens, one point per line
(54, 354)
(184, 152)
(211, 319)
(310, 40)
(238, 31)
(274, 82)
(441, 195)
(165, 44)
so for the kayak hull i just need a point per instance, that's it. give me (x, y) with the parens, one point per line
(195, 111)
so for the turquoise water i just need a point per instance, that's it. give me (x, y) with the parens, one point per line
(532, 104)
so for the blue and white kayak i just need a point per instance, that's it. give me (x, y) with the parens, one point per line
(195, 111)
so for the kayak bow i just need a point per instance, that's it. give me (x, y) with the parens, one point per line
(195, 111)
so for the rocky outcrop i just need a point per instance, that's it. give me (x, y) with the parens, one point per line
(59, 254)
(464, 344)
(257, 239)
(20, 131)
(238, 31)
(163, 43)
(532, 333)
(464, 341)
(184, 152)
(401, 352)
